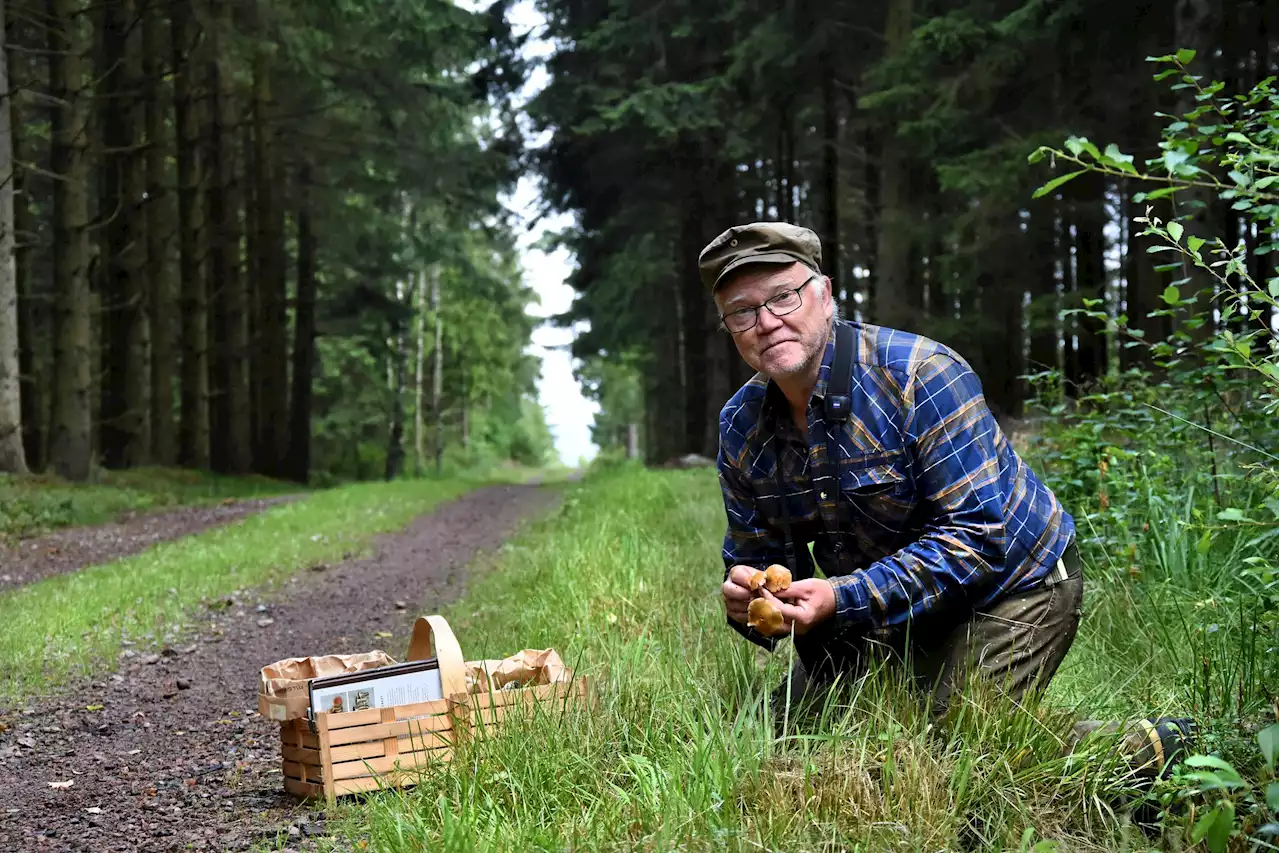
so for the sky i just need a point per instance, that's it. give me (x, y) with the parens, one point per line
(569, 414)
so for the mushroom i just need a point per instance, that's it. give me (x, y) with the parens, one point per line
(776, 578)
(764, 616)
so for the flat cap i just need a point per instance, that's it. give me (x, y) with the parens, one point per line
(758, 243)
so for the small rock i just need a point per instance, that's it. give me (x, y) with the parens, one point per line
(184, 684)
(128, 653)
(400, 605)
(28, 742)
(151, 659)
(262, 608)
(294, 832)
(262, 623)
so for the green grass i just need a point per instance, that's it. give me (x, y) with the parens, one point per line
(72, 625)
(36, 504)
(677, 754)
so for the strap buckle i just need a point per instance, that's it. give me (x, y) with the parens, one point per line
(1058, 575)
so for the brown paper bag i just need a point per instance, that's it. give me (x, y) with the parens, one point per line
(528, 668)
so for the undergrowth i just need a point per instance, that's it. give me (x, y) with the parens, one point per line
(681, 750)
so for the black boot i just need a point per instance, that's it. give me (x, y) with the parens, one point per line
(1152, 747)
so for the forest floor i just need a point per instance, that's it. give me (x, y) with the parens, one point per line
(168, 752)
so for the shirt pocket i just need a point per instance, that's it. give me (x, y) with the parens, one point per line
(876, 502)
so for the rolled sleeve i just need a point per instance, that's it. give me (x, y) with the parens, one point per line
(952, 441)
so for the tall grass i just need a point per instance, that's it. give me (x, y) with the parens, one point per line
(682, 751)
(73, 625)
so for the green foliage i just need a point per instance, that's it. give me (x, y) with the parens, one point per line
(412, 104)
(1170, 469)
(683, 751)
(615, 384)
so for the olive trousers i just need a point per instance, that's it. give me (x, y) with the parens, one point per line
(1017, 642)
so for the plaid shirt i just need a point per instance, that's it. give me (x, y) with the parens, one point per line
(937, 512)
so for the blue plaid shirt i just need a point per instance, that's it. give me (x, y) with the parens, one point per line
(937, 512)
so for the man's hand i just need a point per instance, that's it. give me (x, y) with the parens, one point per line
(805, 604)
(737, 595)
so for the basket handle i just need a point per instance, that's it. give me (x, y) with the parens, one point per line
(433, 632)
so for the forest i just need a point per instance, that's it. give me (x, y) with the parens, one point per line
(899, 131)
(260, 237)
(269, 387)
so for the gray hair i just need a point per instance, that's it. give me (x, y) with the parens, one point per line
(821, 279)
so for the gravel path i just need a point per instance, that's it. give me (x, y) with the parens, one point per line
(74, 548)
(169, 753)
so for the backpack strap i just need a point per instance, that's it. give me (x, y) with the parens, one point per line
(835, 410)
(839, 380)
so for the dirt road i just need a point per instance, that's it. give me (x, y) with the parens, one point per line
(74, 548)
(169, 752)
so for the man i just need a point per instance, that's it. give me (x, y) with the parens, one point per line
(937, 542)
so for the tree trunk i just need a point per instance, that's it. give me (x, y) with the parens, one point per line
(13, 457)
(252, 289)
(395, 433)
(420, 322)
(831, 175)
(1143, 287)
(1091, 275)
(158, 219)
(232, 402)
(193, 433)
(31, 388)
(892, 273)
(437, 368)
(71, 423)
(693, 311)
(304, 341)
(124, 429)
(464, 400)
(1043, 322)
(268, 183)
(1010, 246)
(1196, 25)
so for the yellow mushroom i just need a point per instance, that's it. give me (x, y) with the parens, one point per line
(764, 616)
(776, 578)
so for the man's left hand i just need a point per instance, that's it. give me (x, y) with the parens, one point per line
(805, 604)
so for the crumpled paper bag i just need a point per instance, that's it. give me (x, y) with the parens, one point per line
(527, 668)
(282, 693)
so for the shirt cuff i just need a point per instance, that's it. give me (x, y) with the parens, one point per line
(853, 600)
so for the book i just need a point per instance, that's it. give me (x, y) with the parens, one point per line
(382, 687)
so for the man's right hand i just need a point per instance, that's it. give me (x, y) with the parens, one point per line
(737, 595)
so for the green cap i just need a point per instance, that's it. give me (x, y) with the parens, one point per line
(758, 243)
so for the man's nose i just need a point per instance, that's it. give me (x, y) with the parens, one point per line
(766, 321)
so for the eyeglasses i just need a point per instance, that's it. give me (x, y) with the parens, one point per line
(779, 306)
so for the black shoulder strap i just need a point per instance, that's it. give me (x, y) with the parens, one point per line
(836, 403)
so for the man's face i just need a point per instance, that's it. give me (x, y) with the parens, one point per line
(779, 347)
